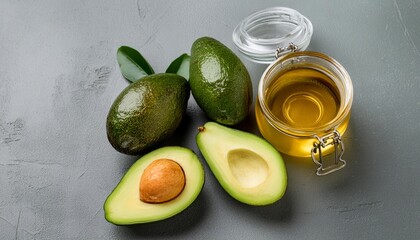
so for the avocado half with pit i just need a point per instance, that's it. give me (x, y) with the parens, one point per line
(249, 168)
(159, 185)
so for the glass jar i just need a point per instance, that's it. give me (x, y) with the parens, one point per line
(264, 34)
(303, 106)
(304, 98)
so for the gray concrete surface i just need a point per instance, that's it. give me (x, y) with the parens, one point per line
(59, 76)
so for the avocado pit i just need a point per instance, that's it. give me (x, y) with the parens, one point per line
(161, 181)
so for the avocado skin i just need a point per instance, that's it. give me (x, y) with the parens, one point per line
(219, 81)
(147, 112)
(121, 212)
(220, 144)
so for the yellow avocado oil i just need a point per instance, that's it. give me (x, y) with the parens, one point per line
(300, 100)
(303, 98)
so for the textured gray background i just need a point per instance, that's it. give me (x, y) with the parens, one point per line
(59, 76)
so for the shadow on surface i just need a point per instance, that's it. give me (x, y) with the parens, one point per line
(249, 124)
(278, 212)
(180, 135)
(356, 171)
(188, 219)
(303, 170)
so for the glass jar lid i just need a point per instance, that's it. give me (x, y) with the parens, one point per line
(268, 33)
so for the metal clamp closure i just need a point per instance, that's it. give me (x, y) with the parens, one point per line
(333, 138)
(291, 47)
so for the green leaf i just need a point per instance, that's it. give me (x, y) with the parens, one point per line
(180, 66)
(132, 64)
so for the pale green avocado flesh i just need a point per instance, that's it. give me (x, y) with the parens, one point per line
(124, 207)
(249, 168)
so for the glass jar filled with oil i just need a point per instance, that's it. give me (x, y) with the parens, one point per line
(303, 96)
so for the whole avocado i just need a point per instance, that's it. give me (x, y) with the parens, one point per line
(147, 112)
(219, 81)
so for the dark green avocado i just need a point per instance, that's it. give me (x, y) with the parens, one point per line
(219, 81)
(147, 112)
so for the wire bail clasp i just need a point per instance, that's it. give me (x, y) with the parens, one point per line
(291, 48)
(333, 138)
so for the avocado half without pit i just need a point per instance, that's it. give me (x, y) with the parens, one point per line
(249, 168)
(159, 185)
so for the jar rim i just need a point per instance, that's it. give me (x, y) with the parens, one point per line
(341, 115)
(259, 35)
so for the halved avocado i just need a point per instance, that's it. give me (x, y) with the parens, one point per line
(124, 207)
(249, 168)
